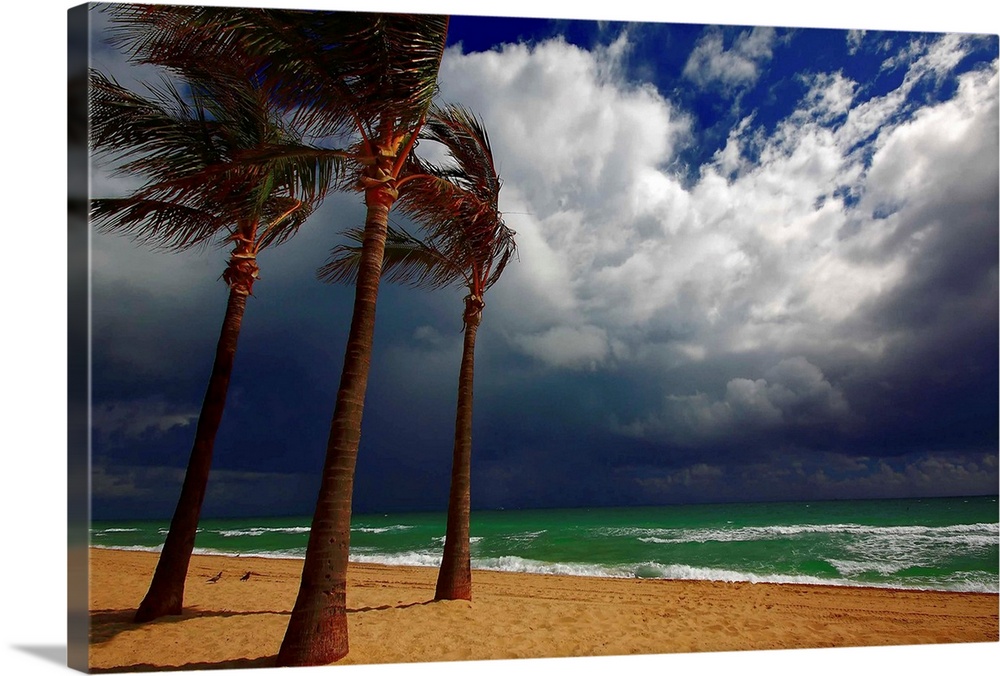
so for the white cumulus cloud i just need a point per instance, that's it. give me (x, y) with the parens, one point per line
(764, 251)
(739, 66)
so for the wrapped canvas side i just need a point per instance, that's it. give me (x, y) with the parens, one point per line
(78, 352)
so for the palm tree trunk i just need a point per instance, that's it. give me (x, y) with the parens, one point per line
(317, 629)
(166, 591)
(455, 576)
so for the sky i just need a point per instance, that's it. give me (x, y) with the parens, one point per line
(754, 263)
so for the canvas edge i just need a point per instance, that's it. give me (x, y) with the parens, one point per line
(78, 342)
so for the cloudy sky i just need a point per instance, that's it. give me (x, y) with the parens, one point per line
(755, 263)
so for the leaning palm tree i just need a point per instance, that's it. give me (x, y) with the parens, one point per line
(366, 81)
(202, 155)
(466, 242)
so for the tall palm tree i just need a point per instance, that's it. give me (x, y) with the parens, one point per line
(366, 80)
(202, 153)
(387, 84)
(466, 242)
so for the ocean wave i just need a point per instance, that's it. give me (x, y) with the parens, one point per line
(972, 582)
(880, 566)
(525, 537)
(256, 531)
(116, 530)
(977, 535)
(422, 559)
(684, 572)
(131, 548)
(917, 549)
(441, 539)
(296, 553)
(379, 529)
(647, 570)
(656, 570)
(957, 582)
(517, 564)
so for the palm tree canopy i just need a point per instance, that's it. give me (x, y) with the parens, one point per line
(342, 72)
(213, 157)
(457, 202)
(456, 205)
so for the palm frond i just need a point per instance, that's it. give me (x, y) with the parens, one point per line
(315, 171)
(282, 217)
(161, 225)
(456, 202)
(407, 260)
(217, 149)
(341, 68)
(338, 70)
(468, 144)
(159, 129)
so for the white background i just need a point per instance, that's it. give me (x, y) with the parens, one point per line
(33, 331)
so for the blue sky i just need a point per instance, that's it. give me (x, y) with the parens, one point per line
(755, 263)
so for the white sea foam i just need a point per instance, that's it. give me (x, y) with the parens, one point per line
(972, 582)
(978, 534)
(116, 530)
(424, 559)
(525, 537)
(861, 550)
(957, 582)
(254, 532)
(208, 551)
(441, 540)
(898, 549)
(683, 572)
(517, 564)
(380, 529)
(131, 548)
(297, 553)
(649, 569)
(655, 570)
(880, 566)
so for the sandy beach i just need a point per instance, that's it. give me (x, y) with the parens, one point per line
(240, 624)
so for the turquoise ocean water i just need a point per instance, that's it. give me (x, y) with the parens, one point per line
(941, 543)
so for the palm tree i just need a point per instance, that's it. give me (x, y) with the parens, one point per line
(467, 242)
(202, 155)
(364, 81)
(397, 83)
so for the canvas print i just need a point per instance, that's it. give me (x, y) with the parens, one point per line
(422, 338)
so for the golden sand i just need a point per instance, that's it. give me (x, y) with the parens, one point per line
(240, 624)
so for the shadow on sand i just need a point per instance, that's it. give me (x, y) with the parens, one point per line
(106, 624)
(258, 663)
(390, 607)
